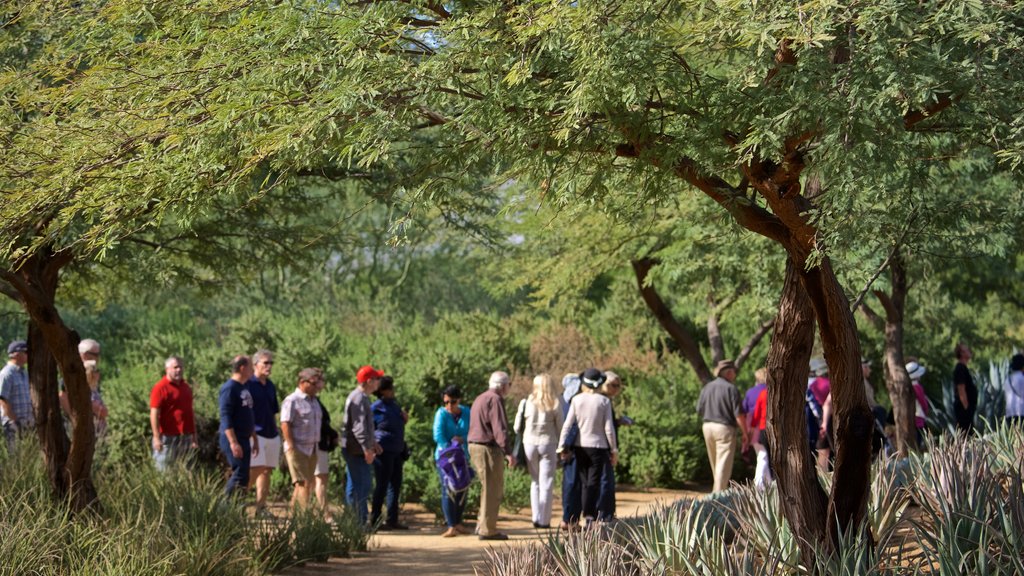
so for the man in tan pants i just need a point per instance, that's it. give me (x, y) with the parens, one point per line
(489, 450)
(721, 410)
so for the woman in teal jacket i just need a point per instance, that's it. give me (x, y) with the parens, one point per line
(451, 422)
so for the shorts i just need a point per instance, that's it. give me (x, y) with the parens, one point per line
(270, 453)
(302, 466)
(322, 462)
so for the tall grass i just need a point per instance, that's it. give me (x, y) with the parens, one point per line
(957, 509)
(151, 524)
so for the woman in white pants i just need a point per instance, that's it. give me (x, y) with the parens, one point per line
(539, 420)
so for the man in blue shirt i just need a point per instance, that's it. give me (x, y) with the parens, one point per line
(264, 408)
(237, 425)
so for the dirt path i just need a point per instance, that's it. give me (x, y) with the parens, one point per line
(423, 552)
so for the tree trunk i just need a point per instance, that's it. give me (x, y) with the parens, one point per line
(687, 344)
(803, 501)
(852, 421)
(53, 345)
(897, 381)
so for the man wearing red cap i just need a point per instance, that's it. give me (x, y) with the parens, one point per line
(358, 444)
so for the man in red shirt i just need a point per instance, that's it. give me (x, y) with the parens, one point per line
(171, 416)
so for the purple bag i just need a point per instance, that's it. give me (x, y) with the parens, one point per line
(455, 471)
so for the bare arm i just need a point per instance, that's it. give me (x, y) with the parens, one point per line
(286, 433)
(154, 419)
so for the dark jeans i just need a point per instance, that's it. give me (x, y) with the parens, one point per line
(590, 462)
(358, 484)
(239, 479)
(570, 493)
(606, 499)
(452, 504)
(387, 469)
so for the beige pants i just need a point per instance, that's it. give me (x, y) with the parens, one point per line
(721, 444)
(489, 462)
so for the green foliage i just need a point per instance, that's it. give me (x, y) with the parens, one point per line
(187, 527)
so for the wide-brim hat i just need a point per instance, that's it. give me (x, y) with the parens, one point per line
(915, 370)
(592, 378)
(724, 365)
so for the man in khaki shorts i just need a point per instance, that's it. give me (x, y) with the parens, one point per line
(300, 427)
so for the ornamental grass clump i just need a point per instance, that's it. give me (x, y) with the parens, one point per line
(151, 524)
(956, 509)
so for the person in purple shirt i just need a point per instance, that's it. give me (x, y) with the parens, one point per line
(265, 407)
(750, 399)
(237, 426)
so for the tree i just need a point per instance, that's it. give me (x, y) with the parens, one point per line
(783, 115)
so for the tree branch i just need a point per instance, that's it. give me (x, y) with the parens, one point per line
(755, 339)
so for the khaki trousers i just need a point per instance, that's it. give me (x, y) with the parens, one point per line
(489, 462)
(721, 444)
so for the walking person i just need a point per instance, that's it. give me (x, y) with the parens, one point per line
(171, 416)
(571, 504)
(489, 450)
(1014, 391)
(451, 424)
(358, 443)
(611, 388)
(265, 408)
(389, 428)
(16, 410)
(329, 440)
(539, 420)
(965, 399)
(721, 410)
(916, 371)
(300, 427)
(595, 445)
(238, 440)
(759, 440)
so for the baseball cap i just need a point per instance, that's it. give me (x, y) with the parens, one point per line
(367, 373)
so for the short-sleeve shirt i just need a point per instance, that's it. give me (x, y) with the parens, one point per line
(235, 402)
(174, 401)
(264, 406)
(15, 390)
(719, 402)
(759, 415)
(821, 387)
(304, 416)
(961, 375)
(750, 398)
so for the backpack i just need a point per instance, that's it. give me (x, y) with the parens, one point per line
(455, 471)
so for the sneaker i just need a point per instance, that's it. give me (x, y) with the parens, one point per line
(495, 536)
(396, 526)
(540, 526)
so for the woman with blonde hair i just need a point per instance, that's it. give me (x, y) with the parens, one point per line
(539, 420)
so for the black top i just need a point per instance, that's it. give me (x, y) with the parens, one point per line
(961, 375)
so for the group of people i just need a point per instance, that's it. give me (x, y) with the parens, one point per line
(724, 413)
(574, 428)
(371, 435)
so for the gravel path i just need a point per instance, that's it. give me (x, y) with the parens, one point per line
(422, 551)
